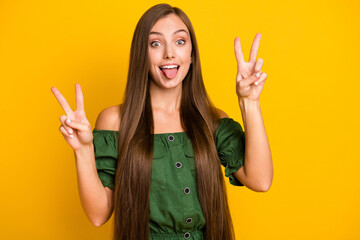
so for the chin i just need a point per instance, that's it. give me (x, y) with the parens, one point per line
(168, 83)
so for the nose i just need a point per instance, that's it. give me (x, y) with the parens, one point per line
(169, 52)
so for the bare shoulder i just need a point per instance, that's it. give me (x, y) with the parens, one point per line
(221, 113)
(109, 119)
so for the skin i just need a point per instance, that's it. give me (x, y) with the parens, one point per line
(257, 172)
(169, 32)
(169, 42)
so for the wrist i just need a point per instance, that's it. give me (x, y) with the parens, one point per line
(247, 103)
(85, 150)
(248, 108)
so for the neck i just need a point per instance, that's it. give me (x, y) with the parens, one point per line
(165, 100)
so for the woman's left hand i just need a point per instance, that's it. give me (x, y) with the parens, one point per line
(250, 79)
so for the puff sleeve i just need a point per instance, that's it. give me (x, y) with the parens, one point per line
(105, 148)
(230, 145)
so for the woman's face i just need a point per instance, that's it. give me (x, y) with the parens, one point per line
(169, 52)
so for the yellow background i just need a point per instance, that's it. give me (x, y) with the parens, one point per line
(309, 105)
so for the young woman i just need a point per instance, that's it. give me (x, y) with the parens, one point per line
(155, 159)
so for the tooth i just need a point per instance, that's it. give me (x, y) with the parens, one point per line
(170, 66)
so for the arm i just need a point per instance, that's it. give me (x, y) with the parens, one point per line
(95, 199)
(257, 172)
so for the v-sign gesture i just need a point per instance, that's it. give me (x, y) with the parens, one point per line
(250, 79)
(74, 125)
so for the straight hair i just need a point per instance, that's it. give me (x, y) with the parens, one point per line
(199, 118)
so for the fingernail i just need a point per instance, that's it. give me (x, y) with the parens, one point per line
(256, 83)
(68, 120)
(71, 136)
(257, 75)
(70, 131)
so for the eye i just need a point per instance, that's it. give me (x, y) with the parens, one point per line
(180, 42)
(155, 44)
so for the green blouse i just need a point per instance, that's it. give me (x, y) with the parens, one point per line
(175, 210)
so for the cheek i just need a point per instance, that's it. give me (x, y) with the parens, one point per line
(185, 56)
(155, 54)
(154, 62)
(153, 72)
(152, 58)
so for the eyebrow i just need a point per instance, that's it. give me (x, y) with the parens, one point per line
(180, 30)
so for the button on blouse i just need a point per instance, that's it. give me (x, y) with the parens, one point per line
(175, 210)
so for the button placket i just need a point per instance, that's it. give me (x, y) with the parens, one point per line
(184, 174)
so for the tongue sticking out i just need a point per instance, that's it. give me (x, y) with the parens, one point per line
(170, 73)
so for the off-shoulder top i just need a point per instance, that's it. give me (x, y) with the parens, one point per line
(175, 210)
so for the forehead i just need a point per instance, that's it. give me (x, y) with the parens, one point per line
(169, 24)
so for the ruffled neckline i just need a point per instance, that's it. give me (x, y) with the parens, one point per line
(156, 134)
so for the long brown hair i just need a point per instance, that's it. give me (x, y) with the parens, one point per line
(199, 118)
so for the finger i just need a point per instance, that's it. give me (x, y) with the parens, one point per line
(259, 64)
(245, 83)
(64, 104)
(65, 133)
(82, 127)
(67, 128)
(255, 47)
(261, 79)
(238, 51)
(79, 98)
(238, 76)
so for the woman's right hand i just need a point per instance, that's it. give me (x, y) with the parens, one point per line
(77, 132)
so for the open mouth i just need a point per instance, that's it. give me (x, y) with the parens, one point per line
(170, 71)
